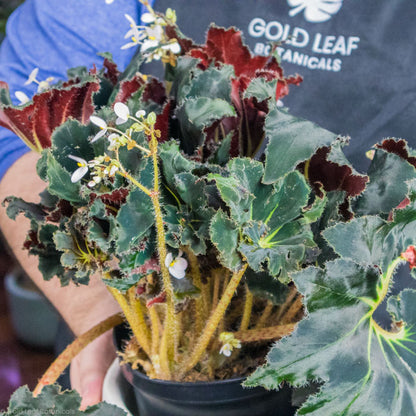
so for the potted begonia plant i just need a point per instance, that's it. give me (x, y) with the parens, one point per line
(221, 223)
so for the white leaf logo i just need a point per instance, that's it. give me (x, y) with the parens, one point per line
(315, 10)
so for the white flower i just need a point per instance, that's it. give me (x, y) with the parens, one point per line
(176, 266)
(133, 33)
(147, 18)
(155, 33)
(101, 124)
(122, 112)
(226, 350)
(174, 47)
(95, 180)
(229, 343)
(149, 44)
(82, 169)
(113, 170)
(32, 76)
(43, 86)
(22, 97)
(140, 113)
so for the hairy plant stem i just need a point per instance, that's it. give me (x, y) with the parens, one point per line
(286, 305)
(170, 334)
(154, 321)
(265, 315)
(201, 303)
(215, 289)
(264, 334)
(72, 350)
(139, 312)
(133, 320)
(216, 317)
(248, 307)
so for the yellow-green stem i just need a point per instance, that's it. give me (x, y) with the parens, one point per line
(248, 306)
(139, 313)
(265, 315)
(264, 334)
(201, 303)
(386, 279)
(135, 182)
(131, 318)
(154, 320)
(168, 347)
(72, 350)
(216, 289)
(213, 321)
(163, 356)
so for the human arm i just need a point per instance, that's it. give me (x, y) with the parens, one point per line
(55, 39)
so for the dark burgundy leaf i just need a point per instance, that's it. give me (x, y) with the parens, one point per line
(332, 176)
(399, 148)
(186, 44)
(155, 91)
(128, 88)
(410, 256)
(32, 240)
(63, 209)
(36, 122)
(112, 73)
(157, 299)
(162, 123)
(151, 265)
(114, 200)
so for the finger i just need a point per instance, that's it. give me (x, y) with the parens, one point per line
(89, 368)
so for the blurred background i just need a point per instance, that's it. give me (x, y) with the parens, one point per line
(27, 323)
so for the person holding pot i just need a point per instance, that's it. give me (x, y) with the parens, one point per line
(354, 59)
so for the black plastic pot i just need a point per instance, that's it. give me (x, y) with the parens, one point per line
(224, 398)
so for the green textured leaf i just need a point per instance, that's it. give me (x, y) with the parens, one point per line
(261, 89)
(197, 113)
(53, 401)
(184, 289)
(387, 187)
(182, 75)
(60, 182)
(212, 82)
(360, 240)
(316, 210)
(71, 138)
(49, 257)
(16, 206)
(279, 253)
(291, 140)
(224, 235)
(134, 219)
(266, 287)
(238, 189)
(173, 162)
(123, 284)
(191, 190)
(371, 240)
(42, 166)
(366, 370)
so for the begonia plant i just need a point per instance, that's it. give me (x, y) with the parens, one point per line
(221, 223)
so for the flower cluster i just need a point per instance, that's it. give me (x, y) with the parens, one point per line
(151, 37)
(42, 86)
(229, 343)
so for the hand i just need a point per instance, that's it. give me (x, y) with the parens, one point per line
(89, 367)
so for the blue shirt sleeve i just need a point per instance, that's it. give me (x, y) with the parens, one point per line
(55, 36)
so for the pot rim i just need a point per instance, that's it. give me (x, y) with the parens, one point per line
(143, 376)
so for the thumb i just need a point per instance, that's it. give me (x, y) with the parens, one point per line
(89, 368)
(91, 388)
